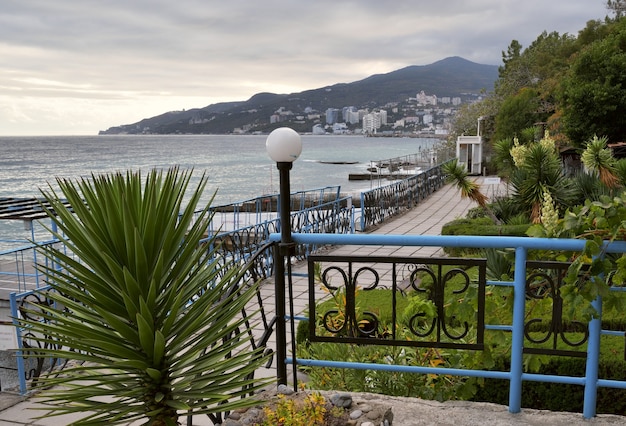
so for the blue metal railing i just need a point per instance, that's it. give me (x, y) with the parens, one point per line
(516, 375)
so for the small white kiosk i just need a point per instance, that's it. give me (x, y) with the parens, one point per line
(469, 152)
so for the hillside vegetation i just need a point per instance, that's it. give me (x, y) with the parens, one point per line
(453, 77)
(574, 86)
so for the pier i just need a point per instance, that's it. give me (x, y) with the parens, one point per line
(397, 168)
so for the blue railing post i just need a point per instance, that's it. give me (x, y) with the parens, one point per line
(362, 228)
(517, 339)
(19, 355)
(352, 224)
(593, 358)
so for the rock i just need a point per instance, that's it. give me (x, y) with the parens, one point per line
(342, 400)
(235, 415)
(253, 412)
(356, 414)
(285, 390)
(352, 413)
(365, 408)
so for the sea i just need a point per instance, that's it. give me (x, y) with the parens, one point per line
(237, 166)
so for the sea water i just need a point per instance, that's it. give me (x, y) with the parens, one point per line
(237, 167)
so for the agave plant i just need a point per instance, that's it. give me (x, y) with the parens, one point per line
(469, 189)
(150, 320)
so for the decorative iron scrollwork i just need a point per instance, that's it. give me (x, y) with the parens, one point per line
(32, 308)
(435, 278)
(544, 283)
(386, 201)
(436, 293)
(346, 319)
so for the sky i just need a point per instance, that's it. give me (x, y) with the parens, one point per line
(74, 67)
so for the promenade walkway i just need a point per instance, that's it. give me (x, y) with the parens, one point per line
(425, 219)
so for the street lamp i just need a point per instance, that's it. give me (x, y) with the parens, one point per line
(283, 146)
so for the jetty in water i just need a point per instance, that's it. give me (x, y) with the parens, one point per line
(398, 167)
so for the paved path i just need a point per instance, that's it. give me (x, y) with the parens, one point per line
(425, 219)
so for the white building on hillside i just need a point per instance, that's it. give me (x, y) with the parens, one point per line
(424, 99)
(373, 121)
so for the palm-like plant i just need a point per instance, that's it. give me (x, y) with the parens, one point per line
(597, 158)
(620, 171)
(539, 172)
(457, 175)
(153, 323)
(502, 156)
(589, 187)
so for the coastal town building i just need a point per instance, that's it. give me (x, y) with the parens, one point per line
(332, 115)
(374, 121)
(424, 114)
(424, 99)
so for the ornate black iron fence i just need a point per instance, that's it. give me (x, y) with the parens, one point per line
(31, 365)
(383, 202)
(246, 213)
(433, 323)
(335, 217)
(543, 283)
(345, 319)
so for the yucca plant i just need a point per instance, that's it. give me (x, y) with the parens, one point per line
(539, 172)
(598, 159)
(152, 323)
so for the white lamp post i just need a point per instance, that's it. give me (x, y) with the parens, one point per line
(283, 146)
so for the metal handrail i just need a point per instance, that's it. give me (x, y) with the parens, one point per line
(516, 375)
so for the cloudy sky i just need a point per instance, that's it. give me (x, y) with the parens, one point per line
(78, 66)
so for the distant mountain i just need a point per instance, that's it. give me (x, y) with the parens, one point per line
(453, 77)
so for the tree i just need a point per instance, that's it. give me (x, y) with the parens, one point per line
(593, 31)
(154, 322)
(527, 85)
(618, 7)
(593, 91)
(517, 113)
(513, 75)
(502, 156)
(469, 189)
(465, 121)
(537, 66)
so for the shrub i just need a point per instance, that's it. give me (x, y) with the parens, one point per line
(480, 226)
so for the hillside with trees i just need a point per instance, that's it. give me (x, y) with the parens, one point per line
(555, 126)
(572, 86)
